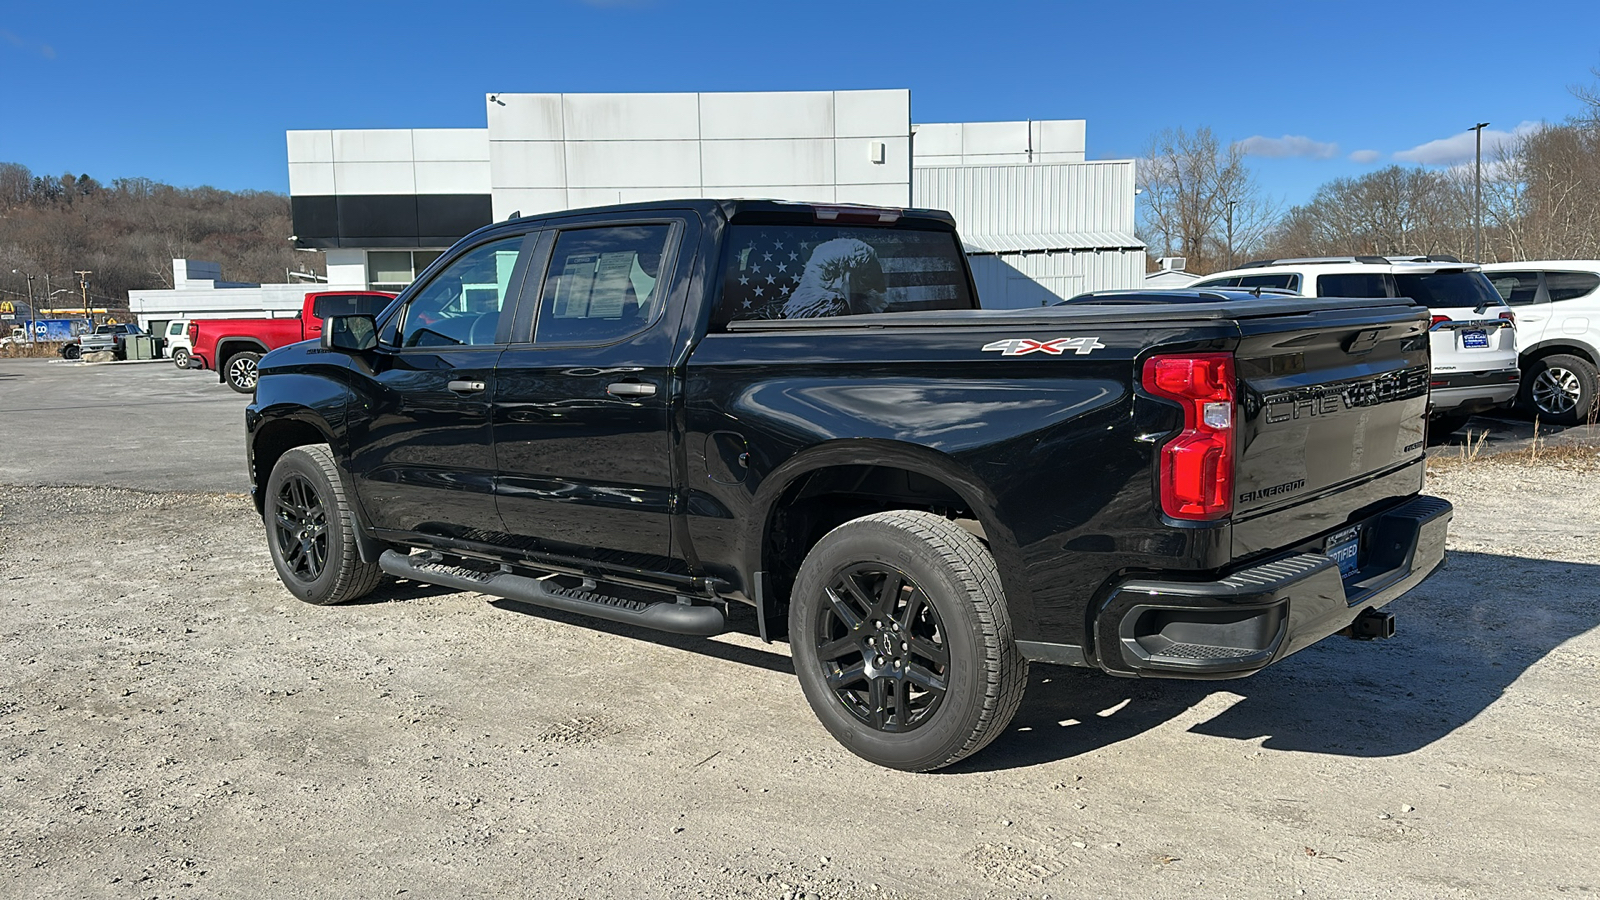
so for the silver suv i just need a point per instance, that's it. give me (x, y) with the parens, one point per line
(1473, 336)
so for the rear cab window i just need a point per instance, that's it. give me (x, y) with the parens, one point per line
(783, 271)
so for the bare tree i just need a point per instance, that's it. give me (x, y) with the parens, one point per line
(1200, 200)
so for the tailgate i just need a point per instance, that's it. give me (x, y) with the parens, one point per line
(1334, 407)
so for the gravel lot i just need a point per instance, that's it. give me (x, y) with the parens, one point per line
(175, 724)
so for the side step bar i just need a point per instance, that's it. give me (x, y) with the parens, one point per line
(678, 617)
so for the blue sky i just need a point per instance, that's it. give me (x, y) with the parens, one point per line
(202, 93)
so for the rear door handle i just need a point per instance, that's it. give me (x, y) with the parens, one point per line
(466, 387)
(630, 389)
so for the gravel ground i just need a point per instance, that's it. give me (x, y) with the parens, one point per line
(174, 724)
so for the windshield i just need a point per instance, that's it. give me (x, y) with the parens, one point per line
(1448, 289)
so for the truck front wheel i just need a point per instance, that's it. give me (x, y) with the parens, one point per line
(902, 640)
(311, 529)
(241, 372)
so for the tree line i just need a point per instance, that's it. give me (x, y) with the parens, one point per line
(126, 234)
(1541, 200)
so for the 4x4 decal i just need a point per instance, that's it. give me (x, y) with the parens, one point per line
(1082, 346)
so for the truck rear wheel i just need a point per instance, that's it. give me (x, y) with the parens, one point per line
(241, 372)
(902, 640)
(311, 529)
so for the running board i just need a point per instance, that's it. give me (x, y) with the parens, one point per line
(678, 617)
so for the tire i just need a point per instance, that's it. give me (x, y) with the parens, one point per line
(1559, 389)
(242, 372)
(71, 351)
(311, 530)
(950, 603)
(180, 357)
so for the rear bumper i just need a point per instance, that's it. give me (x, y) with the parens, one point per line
(1245, 622)
(1471, 392)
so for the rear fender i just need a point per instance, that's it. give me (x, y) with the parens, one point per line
(974, 494)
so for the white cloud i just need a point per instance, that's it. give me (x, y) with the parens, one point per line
(1366, 157)
(1290, 145)
(1460, 148)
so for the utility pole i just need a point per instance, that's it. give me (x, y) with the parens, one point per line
(1477, 195)
(83, 282)
(33, 311)
(1230, 204)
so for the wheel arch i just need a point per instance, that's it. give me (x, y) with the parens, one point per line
(232, 345)
(1553, 346)
(276, 435)
(827, 485)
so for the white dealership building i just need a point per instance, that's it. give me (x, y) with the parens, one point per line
(1040, 220)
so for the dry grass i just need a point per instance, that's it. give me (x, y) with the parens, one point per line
(1580, 455)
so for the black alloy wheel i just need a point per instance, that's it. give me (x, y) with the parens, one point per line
(902, 640)
(311, 529)
(882, 647)
(300, 526)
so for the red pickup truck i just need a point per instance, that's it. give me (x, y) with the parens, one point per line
(233, 346)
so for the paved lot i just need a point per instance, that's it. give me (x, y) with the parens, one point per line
(174, 724)
(143, 425)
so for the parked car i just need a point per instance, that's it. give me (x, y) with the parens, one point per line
(651, 413)
(178, 346)
(1473, 332)
(112, 337)
(234, 346)
(1558, 327)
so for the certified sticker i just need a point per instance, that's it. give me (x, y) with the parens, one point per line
(1080, 346)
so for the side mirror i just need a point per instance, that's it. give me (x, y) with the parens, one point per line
(350, 334)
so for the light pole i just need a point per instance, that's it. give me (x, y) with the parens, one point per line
(1477, 194)
(83, 282)
(1230, 204)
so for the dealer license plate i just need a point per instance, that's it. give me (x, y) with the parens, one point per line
(1344, 547)
(1475, 339)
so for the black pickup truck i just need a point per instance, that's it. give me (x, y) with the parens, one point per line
(654, 413)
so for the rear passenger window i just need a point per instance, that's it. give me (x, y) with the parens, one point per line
(1516, 288)
(1356, 284)
(807, 272)
(1570, 285)
(1232, 281)
(604, 284)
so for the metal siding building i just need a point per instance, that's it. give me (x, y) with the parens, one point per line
(1043, 231)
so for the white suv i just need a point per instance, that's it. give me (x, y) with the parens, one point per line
(1473, 337)
(1558, 320)
(178, 346)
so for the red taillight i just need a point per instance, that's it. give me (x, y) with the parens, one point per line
(1196, 467)
(1509, 316)
(194, 333)
(1437, 321)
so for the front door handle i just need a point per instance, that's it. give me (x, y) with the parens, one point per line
(466, 387)
(630, 389)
